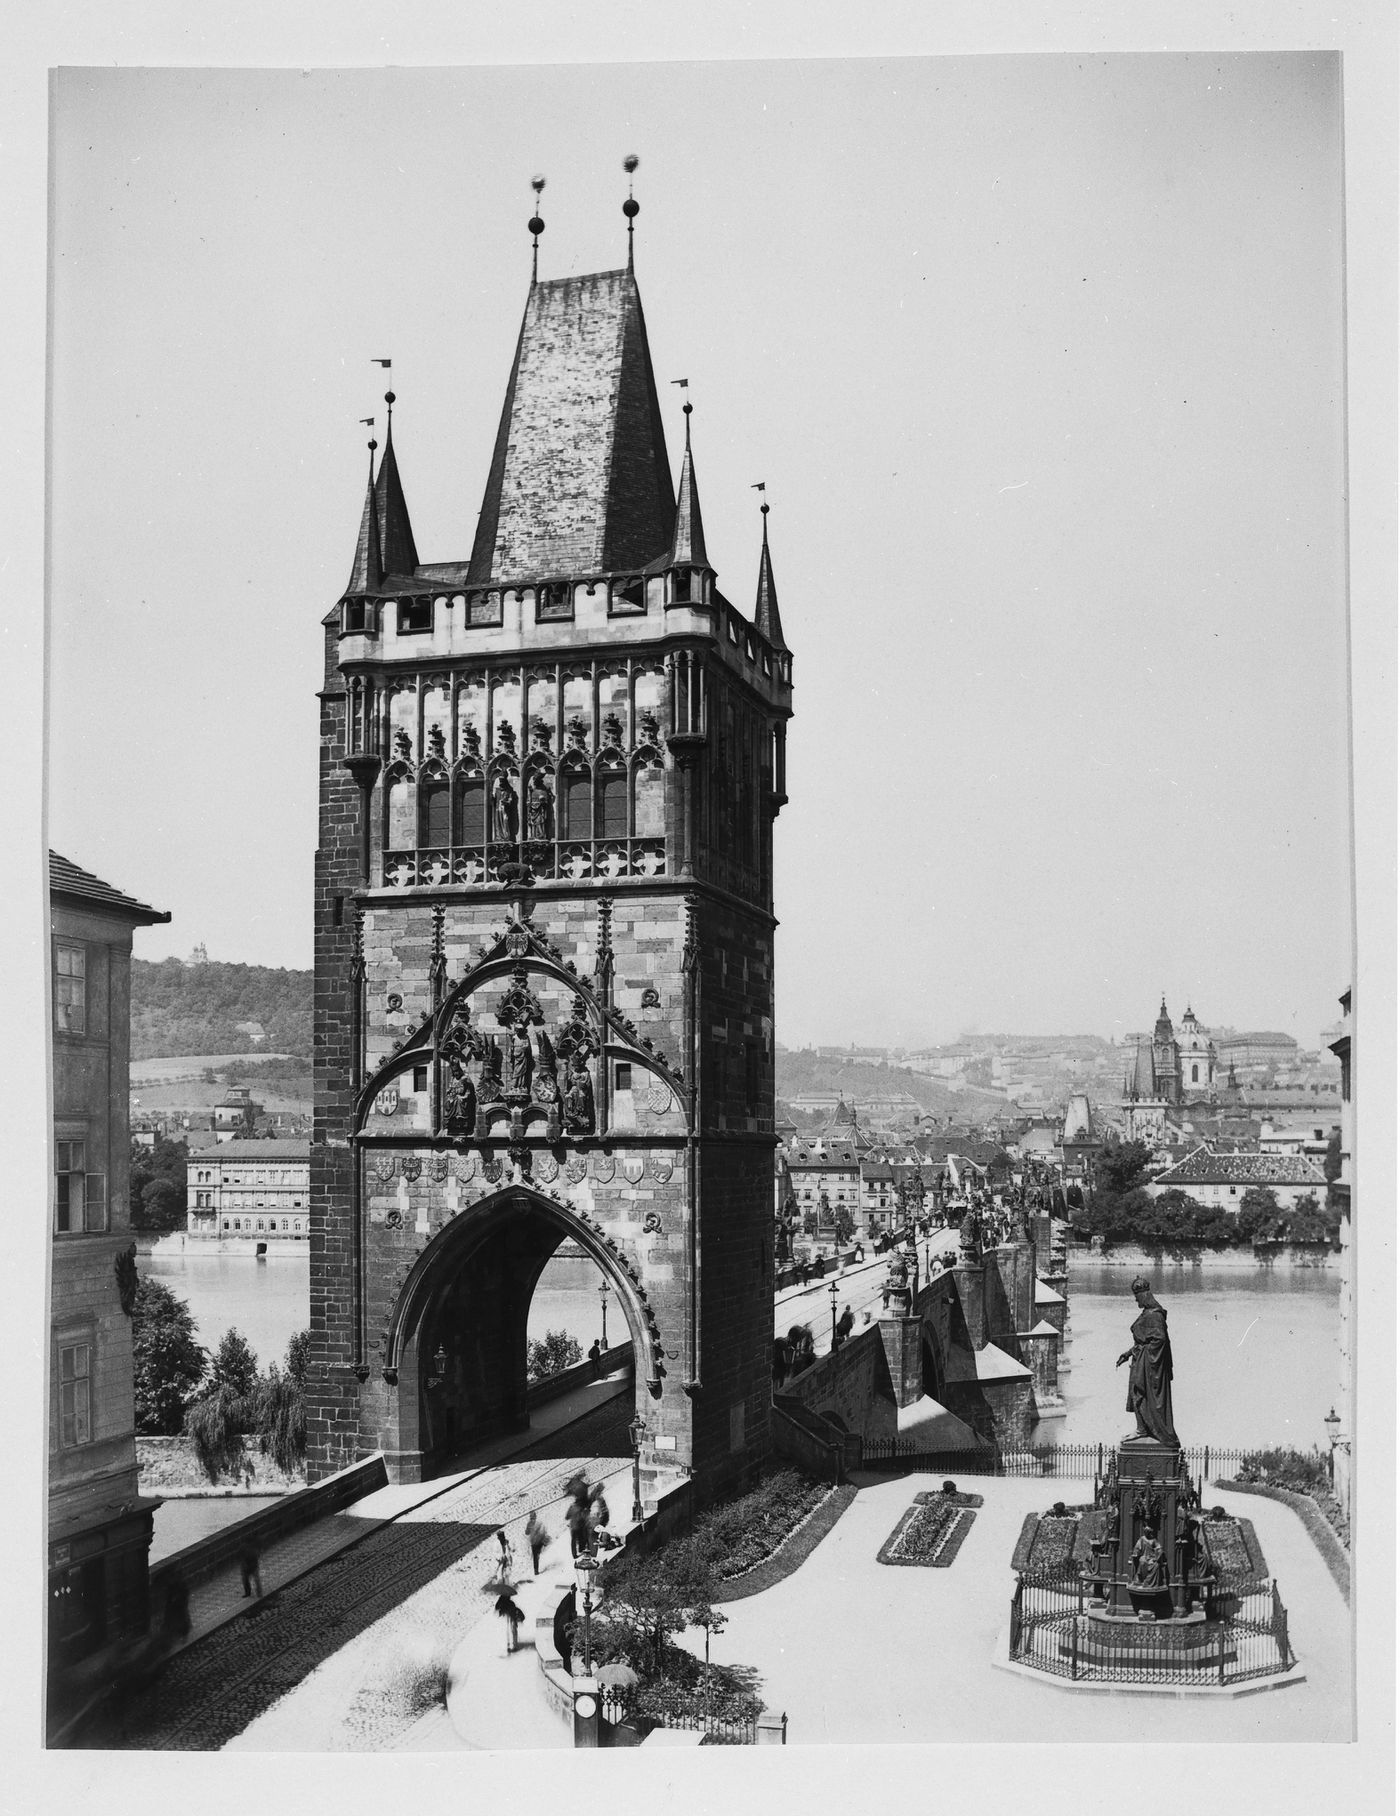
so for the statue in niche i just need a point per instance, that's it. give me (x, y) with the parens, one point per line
(539, 809)
(505, 809)
(1149, 1565)
(519, 1061)
(1150, 1370)
(546, 1088)
(459, 1099)
(578, 1100)
(970, 1234)
(490, 1090)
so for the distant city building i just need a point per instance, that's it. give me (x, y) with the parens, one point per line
(1246, 1051)
(237, 1113)
(251, 1188)
(1221, 1180)
(99, 1527)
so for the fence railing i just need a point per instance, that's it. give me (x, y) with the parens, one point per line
(1075, 1462)
(1050, 1631)
(617, 1704)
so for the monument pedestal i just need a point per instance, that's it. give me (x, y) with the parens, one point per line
(1148, 1562)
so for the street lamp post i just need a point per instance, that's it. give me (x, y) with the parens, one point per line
(584, 1568)
(637, 1431)
(832, 1290)
(603, 1301)
(1333, 1422)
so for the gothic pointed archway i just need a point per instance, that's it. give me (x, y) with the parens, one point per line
(454, 1368)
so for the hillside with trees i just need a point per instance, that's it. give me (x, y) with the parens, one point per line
(216, 1008)
(802, 1070)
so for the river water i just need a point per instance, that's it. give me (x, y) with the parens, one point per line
(269, 1300)
(1255, 1353)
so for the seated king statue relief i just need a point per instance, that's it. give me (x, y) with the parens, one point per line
(1150, 1370)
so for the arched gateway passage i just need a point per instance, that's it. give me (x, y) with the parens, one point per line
(455, 1355)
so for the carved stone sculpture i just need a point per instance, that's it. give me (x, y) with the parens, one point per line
(505, 810)
(519, 1061)
(578, 1101)
(539, 809)
(546, 1087)
(491, 1090)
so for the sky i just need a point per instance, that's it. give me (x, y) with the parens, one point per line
(1039, 357)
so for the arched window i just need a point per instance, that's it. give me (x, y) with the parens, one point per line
(403, 819)
(436, 806)
(237, 1223)
(1195, 1074)
(575, 804)
(612, 805)
(296, 1223)
(471, 811)
(649, 801)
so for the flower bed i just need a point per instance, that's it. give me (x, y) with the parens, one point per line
(736, 1535)
(1297, 1472)
(932, 1531)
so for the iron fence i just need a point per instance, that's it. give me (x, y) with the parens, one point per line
(618, 1704)
(1051, 1631)
(1074, 1462)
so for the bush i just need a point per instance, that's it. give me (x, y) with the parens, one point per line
(279, 1418)
(551, 1354)
(1304, 1472)
(217, 1423)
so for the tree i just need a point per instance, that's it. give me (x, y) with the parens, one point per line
(1258, 1214)
(551, 1354)
(298, 1358)
(164, 1162)
(168, 1364)
(233, 1364)
(1124, 1165)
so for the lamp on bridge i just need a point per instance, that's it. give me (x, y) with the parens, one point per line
(637, 1430)
(832, 1290)
(440, 1367)
(1333, 1422)
(603, 1301)
(585, 1685)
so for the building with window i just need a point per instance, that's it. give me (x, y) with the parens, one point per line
(1221, 1180)
(250, 1189)
(99, 1527)
(236, 1114)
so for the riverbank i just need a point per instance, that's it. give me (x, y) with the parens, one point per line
(253, 1248)
(1304, 1257)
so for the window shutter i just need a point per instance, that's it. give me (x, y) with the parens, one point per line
(95, 1202)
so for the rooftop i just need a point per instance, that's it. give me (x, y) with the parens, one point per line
(1206, 1168)
(296, 1147)
(68, 880)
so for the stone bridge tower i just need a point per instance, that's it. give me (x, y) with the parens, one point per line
(544, 929)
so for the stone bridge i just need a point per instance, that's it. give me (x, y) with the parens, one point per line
(972, 1358)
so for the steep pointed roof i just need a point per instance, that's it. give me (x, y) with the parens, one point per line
(765, 613)
(580, 480)
(688, 539)
(368, 570)
(398, 552)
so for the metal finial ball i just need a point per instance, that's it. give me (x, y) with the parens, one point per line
(373, 444)
(388, 397)
(688, 408)
(631, 209)
(630, 162)
(764, 509)
(537, 184)
(536, 225)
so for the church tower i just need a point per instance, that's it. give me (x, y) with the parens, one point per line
(1197, 1059)
(544, 928)
(1166, 1057)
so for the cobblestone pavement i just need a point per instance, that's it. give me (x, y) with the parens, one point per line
(343, 1657)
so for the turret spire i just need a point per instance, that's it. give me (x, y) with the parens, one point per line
(398, 551)
(368, 571)
(765, 615)
(688, 542)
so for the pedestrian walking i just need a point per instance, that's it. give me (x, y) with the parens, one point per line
(250, 1565)
(576, 1518)
(597, 1516)
(595, 1358)
(845, 1324)
(536, 1538)
(505, 1560)
(513, 1615)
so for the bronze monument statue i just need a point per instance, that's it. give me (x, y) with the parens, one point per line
(1150, 1370)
